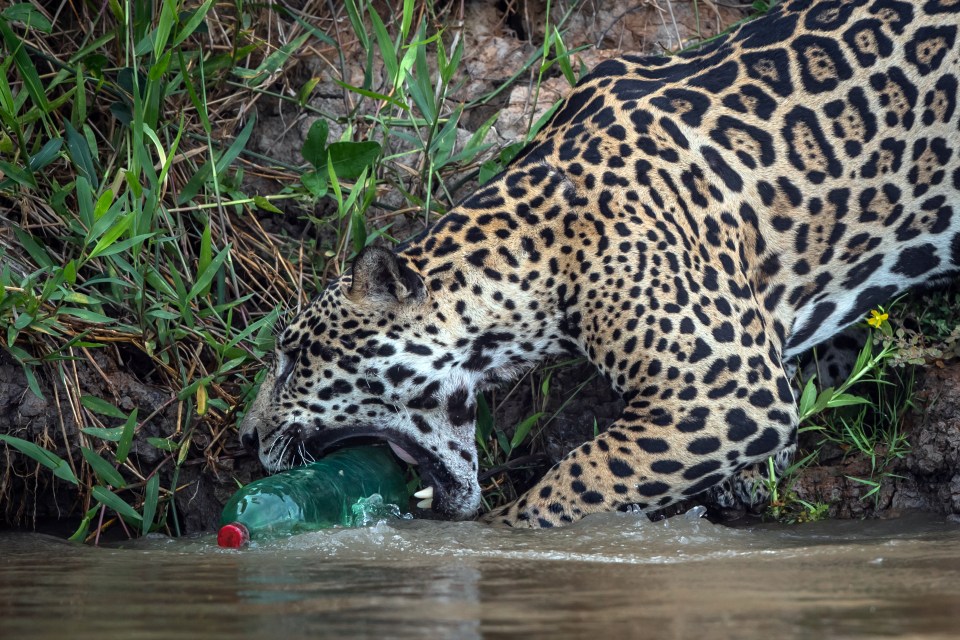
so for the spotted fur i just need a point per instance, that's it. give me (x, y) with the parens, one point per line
(688, 224)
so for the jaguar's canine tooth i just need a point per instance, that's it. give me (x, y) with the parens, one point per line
(425, 504)
(426, 494)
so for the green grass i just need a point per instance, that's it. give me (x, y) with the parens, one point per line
(113, 250)
(864, 416)
(132, 229)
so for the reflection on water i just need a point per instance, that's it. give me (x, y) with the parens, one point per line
(613, 576)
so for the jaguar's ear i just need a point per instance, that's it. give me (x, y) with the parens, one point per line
(379, 276)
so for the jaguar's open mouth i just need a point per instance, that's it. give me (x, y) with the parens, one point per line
(439, 488)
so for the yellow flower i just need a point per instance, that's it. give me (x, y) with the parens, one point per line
(877, 318)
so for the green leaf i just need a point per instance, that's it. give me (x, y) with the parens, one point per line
(123, 245)
(16, 174)
(265, 205)
(73, 296)
(388, 52)
(545, 385)
(450, 67)
(48, 459)
(202, 286)
(103, 204)
(81, 532)
(206, 248)
(38, 253)
(191, 388)
(359, 187)
(314, 148)
(103, 407)
(272, 63)
(359, 231)
(168, 17)
(195, 19)
(304, 95)
(70, 273)
(111, 500)
(504, 443)
(47, 154)
(32, 381)
(488, 170)
(80, 154)
(112, 434)
(85, 314)
(104, 470)
(356, 21)
(315, 182)
(484, 420)
(523, 429)
(126, 438)
(475, 145)
(846, 400)
(85, 203)
(408, 7)
(162, 314)
(349, 159)
(807, 399)
(156, 71)
(163, 444)
(150, 500)
(28, 15)
(23, 320)
(373, 94)
(28, 72)
(563, 58)
(203, 173)
(823, 400)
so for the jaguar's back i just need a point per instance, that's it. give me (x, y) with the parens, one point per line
(828, 129)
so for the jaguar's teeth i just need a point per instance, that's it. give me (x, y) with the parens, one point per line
(425, 504)
(424, 493)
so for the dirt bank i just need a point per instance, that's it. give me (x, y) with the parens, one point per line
(928, 478)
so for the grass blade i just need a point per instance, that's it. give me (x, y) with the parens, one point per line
(520, 434)
(104, 470)
(48, 459)
(109, 499)
(31, 79)
(80, 154)
(202, 286)
(126, 438)
(192, 23)
(47, 154)
(150, 500)
(103, 407)
(195, 183)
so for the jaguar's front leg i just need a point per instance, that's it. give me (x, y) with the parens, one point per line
(653, 457)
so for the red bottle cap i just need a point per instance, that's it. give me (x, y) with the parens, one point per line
(233, 536)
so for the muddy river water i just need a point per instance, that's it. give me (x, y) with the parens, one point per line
(613, 576)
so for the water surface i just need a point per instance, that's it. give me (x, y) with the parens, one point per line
(612, 576)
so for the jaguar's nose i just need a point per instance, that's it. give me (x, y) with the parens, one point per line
(251, 442)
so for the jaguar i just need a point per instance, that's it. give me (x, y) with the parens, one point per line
(690, 224)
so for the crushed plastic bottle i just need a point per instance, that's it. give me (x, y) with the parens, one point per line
(351, 487)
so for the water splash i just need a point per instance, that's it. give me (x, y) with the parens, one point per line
(370, 511)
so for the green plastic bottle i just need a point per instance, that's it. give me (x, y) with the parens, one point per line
(320, 495)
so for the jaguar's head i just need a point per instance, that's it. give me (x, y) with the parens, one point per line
(374, 357)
